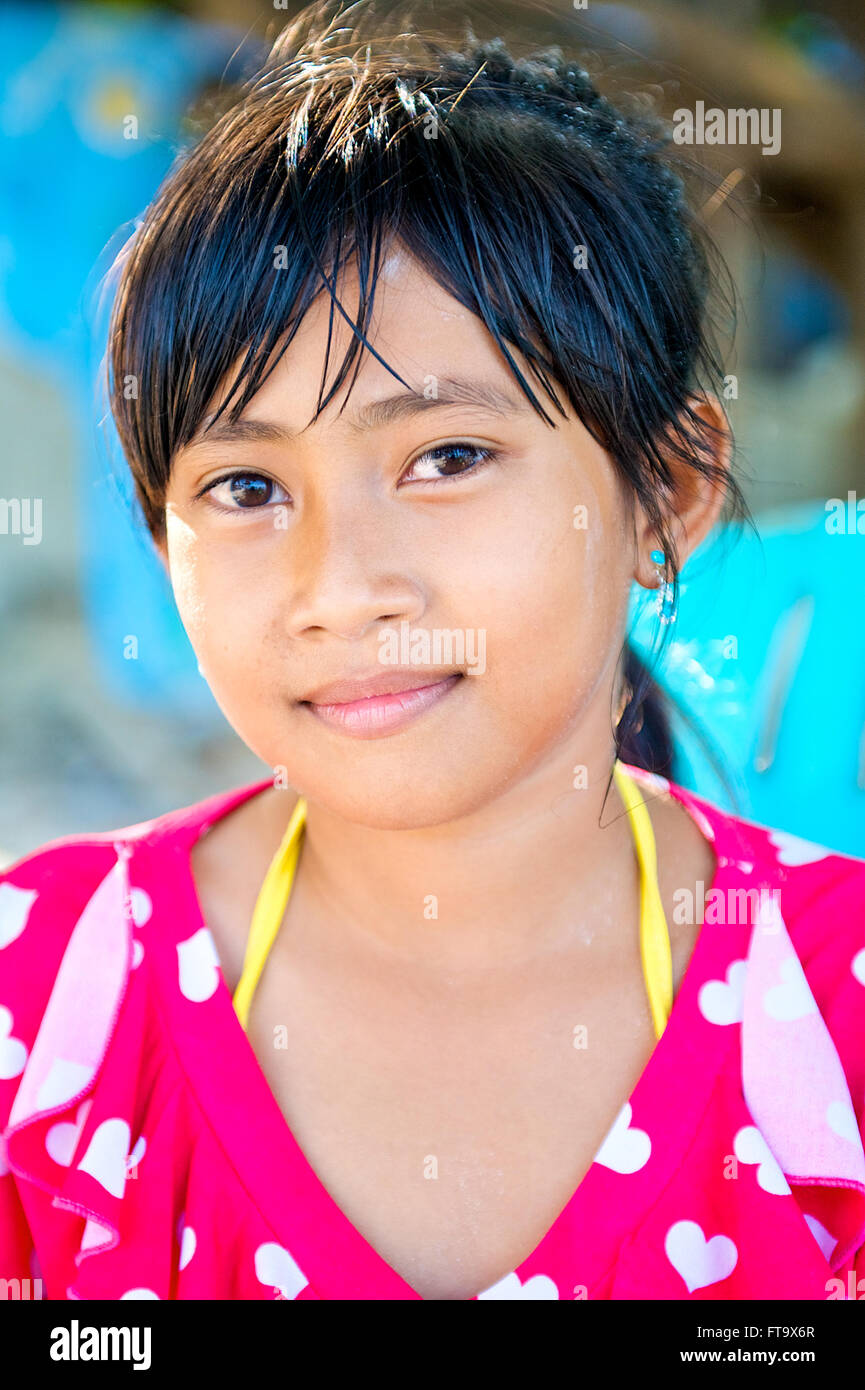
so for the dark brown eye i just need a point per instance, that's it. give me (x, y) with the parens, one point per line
(448, 461)
(245, 491)
(250, 490)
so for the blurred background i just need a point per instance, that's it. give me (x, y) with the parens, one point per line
(766, 666)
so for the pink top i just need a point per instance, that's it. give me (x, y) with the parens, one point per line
(146, 1156)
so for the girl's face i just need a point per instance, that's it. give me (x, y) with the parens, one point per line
(442, 519)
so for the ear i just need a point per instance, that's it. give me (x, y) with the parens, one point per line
(696, 502)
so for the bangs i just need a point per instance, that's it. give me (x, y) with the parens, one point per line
(367, 192)
(512, 183)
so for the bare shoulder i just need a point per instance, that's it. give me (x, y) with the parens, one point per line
(685, 859)
(229, 862)
(682, 846)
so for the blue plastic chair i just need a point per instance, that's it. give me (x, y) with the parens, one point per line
(768, 659)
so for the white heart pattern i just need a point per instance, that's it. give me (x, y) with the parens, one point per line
(15, 905)
(141, 905)
(749, 1146)
(94, 1234)
(824, 1238)
(625, 1150)
(538, 1286)
(791, 849)
(699, 1261)
(65, 1080)
(61, 1140)
(857, 965)
(137, 1153)
(188, 1242)
(276, 1268)
(791, 999)
(139, 1293)
(13, 1053)
(841, 1119)
(105, 1159)
(724, 1003)
(198, 965)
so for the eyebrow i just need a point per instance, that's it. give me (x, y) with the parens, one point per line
(449, 391)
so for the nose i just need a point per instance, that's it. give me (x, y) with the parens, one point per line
(350, 571)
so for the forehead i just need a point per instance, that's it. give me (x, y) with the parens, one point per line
(426, 350)
(416, 326)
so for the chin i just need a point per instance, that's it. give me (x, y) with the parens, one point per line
(401, 783)
(407, 807)
(412, 800)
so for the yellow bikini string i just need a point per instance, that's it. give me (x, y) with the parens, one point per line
(269, 911)
(654, 938)
(654, 934)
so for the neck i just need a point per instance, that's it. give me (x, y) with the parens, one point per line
(530, 873)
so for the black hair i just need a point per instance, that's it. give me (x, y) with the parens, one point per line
(557, 217)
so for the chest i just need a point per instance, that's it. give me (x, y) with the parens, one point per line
(450, 1133)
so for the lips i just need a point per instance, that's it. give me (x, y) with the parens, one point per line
(377, 683)
(373, 706)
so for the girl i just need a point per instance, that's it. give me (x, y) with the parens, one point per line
(464, 999)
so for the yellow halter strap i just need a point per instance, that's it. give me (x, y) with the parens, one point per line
(654, 934)
(654, 937)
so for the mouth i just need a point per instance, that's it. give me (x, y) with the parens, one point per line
(380, 706)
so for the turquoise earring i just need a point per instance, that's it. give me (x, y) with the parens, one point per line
(665, 600)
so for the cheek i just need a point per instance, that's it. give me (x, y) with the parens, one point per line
(185, 578)
(552, 599)
(223, 611)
